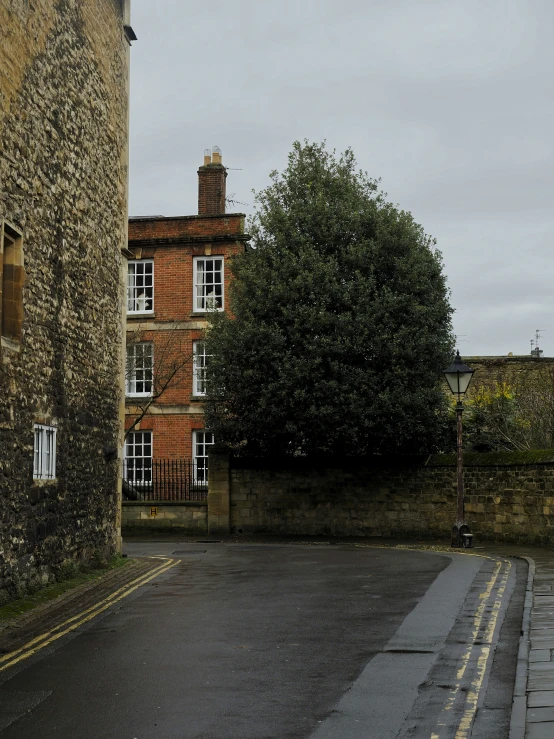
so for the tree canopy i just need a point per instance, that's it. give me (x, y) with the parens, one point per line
(340, 322)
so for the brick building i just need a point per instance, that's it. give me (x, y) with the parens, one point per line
(64, 73)
(177, 273)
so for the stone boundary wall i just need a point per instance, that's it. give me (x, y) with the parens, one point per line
(183, 517)
(506, 500)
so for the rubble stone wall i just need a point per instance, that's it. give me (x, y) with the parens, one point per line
(63, 185)
(516, 371)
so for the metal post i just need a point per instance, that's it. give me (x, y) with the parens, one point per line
(460, 465)
(460, 530)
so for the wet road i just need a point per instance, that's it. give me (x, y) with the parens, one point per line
(277, 641)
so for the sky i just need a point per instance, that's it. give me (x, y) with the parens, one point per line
(449, 102)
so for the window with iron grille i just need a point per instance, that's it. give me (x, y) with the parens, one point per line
(44, 463)
(201, 442)
(140, 286)
(138, 457)
(199, 358)
(208, 284)
(140, 369)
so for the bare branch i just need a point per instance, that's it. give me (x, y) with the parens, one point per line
(170, 357)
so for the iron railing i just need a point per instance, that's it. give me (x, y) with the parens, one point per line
(165, 479)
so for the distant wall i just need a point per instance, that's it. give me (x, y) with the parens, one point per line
(516, 370)
(509, 497)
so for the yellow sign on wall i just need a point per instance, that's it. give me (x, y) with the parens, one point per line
(153, 511)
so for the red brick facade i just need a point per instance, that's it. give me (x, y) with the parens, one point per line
(166, 313)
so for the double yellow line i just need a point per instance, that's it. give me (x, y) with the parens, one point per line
(483, 647)
(39, 642)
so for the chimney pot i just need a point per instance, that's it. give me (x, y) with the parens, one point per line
(216, 155)
(207, 157)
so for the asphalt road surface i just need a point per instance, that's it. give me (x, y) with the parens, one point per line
(285, 641)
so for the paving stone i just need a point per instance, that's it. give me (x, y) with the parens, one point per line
(535, 715)
(541, 642)
(540, 683)
(545, 666)
(539, 655)
(543, 730)
(540, 698)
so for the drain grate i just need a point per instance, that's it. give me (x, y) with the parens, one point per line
(190, 551)
(208, 541)
(254, 547)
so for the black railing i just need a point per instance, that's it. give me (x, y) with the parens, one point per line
(165, 479)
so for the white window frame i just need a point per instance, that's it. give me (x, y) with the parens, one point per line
(133, 369)
(136, 302)
(134, 444)
(199, 358)
(200, 455)
(44, 452)
(202, 302)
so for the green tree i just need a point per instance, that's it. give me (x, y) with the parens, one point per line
(511, 415)
(341, 323)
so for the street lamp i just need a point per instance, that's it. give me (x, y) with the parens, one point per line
(458, 376)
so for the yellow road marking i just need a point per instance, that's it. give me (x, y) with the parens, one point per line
(473, 696)
(485, 651)
(91, 608)
(476, 684)
(48, 637)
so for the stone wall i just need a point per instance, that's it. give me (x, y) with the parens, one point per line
(185, 517)
(517, 370)
(506, 500)
(63, 185)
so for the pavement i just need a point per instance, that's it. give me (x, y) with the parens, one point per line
(533, 703)
(532, 715)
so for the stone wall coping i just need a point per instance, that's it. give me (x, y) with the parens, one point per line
(531, 458)
(516, 359)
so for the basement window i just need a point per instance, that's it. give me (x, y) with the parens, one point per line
(44, 466)
(12, 277)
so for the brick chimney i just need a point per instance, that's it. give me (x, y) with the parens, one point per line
(211, 184)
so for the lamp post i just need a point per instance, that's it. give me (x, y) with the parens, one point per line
(458, 376)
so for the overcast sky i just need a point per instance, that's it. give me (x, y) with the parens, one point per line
(450, 102)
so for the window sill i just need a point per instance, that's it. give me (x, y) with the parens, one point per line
(142, 396)
(197, 398)
(142, 314)
(14, 346)
(41, 481)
